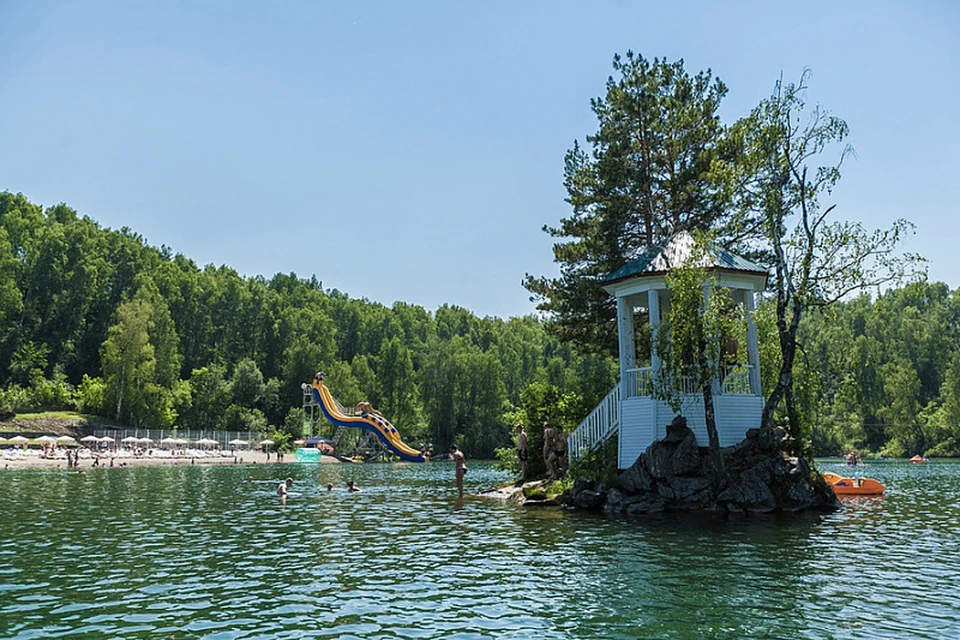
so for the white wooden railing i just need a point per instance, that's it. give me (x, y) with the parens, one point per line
(597, 427)
(735, 380)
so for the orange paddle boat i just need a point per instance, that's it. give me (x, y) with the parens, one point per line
(917, 459)
(854, 486)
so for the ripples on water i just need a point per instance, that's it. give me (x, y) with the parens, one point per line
(210, 552)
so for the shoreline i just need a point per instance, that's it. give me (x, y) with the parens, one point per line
(242, 458)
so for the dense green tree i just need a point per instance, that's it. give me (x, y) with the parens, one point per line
(816, 261)
(651, 172)
(209, 399)
(247, 387)
(129, 364)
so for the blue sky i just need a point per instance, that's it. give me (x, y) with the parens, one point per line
(413, 150)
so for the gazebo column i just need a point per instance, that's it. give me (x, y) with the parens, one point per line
(628, 349)
(753, 349)
(653, 306)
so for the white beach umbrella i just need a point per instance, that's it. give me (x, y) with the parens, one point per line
(47, 439)
(238, 442)
(206, 442)
(18, 439)
(145, 440)
(266, 443)
(89, 439)
(130, 439)
(66, 440)
(107, 439)
(169, 441)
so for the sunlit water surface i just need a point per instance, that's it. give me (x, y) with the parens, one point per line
(191, 552)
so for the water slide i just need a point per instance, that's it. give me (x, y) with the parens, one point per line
(374, 422)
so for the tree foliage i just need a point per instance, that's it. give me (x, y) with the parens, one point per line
(816, 260)
(98, 320)
(654, 168)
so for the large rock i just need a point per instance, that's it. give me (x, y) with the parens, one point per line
(686, 457)
(589, 499)
(636, 479)
(619, 503)
(644, 505)
(755, 475)
(677, 454)
(686, 492)
(584, 495)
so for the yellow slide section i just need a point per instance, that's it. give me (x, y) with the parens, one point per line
(376, 423)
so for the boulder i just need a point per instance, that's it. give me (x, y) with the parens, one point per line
(750, 494)
(614, 502)
(636, 479)
(756, 475)
(588, 499)
(686, 457)
(686, 492)
(676, 454)
(677, 430)
(646, 504)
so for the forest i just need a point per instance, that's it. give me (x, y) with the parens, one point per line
(98, 321)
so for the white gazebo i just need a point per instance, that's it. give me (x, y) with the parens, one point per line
(631, 411)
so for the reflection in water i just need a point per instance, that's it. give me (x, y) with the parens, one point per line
(211, 551)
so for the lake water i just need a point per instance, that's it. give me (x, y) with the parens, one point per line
(209, 552)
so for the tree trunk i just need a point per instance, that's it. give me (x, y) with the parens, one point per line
(709, 414)
(123, 379)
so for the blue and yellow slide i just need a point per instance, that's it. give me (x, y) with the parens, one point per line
(374, 422)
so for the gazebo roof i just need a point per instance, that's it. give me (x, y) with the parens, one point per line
(657, 260)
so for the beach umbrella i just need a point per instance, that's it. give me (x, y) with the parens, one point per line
(238, 442)
(145, 440)
(207, 442)
(18, 439)
(45, 439)
(266, 443)
(66, 440)
(169, 441)
(107, 439)
(130, 439)
(89, 439)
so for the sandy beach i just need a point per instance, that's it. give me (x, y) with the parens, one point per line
(244, 457)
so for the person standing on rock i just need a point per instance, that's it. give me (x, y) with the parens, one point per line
(549, 434)
(558, 457)
(522, 450)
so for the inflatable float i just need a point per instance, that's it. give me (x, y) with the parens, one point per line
(918, 459)
(854, 486)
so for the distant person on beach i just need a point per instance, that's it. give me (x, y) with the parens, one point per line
(351, 487)
(329, 486)
(522, 450)
(461, 462)
(283, 490)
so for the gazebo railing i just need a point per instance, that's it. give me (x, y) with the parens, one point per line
(734, 380)
(597, 427)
